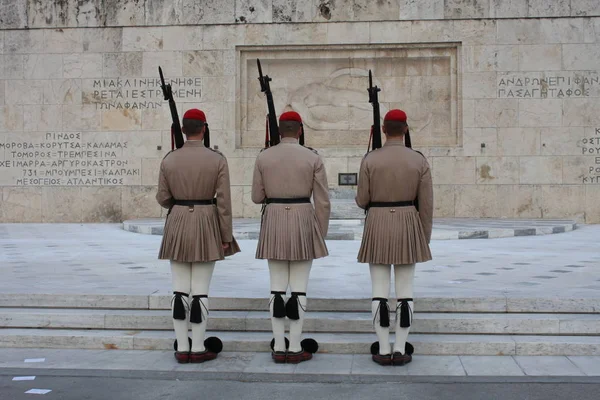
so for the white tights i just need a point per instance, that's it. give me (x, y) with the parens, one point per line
(404, 275)
(194, 279)
(295, 274)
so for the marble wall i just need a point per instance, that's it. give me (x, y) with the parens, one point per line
(115, 13)
(506, 109)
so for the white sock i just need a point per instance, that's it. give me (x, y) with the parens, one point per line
(278, 325)
(401, 333)
(199, 330)
(296, 327)
(404, 276)
(383, 333)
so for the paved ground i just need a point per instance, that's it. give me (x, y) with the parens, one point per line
(149, 375)
(352, 229)
(358, 365)
(151, 387)
(104, 259)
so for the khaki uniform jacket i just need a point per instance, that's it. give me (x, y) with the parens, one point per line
(291, 231)
(196, 233)
(395, 235)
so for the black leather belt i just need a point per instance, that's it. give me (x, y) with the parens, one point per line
(195, 202)
(289, 201)
(407, 203)
(297, 200)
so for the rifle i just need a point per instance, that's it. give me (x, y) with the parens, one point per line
(176, 134)
(376, 127)
(272, 131)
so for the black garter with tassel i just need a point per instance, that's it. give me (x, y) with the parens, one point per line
(179, 307)
(292, 307)
(384, 312)
(405, 312)
(278, 305)
(196, 309)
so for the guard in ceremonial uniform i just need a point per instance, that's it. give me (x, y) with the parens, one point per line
(395, 188)
(198, 232)
(292, 232)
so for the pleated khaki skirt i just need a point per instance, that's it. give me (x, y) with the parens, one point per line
(393, 237)
(290, 232)
(194, 236)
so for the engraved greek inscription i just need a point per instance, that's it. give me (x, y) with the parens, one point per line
(129, 93)
(63, 159)
(591, 146)
(560, 86)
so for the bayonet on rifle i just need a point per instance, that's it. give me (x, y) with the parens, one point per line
(374, 100)
(176, 134)
(272, 134)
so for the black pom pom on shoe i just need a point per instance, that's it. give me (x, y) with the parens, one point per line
(409, 349)
(213, 344)
(375, 348)
(287, 344)
(310, 345)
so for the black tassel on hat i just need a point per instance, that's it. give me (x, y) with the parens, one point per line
(301, 140)
(292, 307)
(278, 305)
(405, 312)
(178, 306)
(196, 309)
(384, 312)
(206, 136)
(407, 141)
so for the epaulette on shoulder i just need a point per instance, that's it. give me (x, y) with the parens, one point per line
(311, 149)
(369, 152)
(266, 148)
(216, 151)
(417, 151)
(169, 153)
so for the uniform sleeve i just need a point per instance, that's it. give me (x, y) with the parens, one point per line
(425, 197)
(164, 197)
(363, 193)
(258, 188)
(224, 202)
(321, 197)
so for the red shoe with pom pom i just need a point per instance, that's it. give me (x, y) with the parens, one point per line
(202, 356)
(309, 347)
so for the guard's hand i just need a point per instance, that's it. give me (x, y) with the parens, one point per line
(225, 246)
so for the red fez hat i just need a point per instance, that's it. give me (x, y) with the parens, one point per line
(196, 114)
(395, 115)
(290, 116)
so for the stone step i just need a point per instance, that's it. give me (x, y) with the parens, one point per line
(422, 304)
(346, 209)
(345, 343)
(348, 322)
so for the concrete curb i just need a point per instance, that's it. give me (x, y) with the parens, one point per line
(353, 229)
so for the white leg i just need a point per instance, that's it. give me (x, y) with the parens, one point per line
(181, 276)
(279, 272)
(299, 273)
(404, 276)
(201, 276)
(380, 280)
